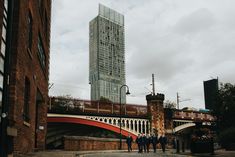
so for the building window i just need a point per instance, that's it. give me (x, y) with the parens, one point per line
(1, 81)
(0, 99)
(30, 30)
(6, 4)
(26, 99)
(1, 65)
(41, 53)
(4, 32)
(3, 48)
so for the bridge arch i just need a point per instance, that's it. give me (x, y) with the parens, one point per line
(99, 124)
(183, 126)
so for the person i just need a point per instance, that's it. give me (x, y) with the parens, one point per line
(139, 143)
(129, 140)
(163, 141)
(154, 142)
(148, 141)
(144, 140)
(174, 143)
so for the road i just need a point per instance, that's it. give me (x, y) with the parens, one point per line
(133, 154)
(117, 153)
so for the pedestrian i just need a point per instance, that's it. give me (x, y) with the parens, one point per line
(144, 140)
(174, 143)
(129, 140)
(163, 141)
(148, 141)
(154, 141)
(139, 143)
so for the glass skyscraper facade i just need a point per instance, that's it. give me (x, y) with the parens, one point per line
(107, 55)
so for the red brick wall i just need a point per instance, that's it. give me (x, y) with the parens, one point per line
(156, 112)
(73, 143)
(26, 63)
(81, 143)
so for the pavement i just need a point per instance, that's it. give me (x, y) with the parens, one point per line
(124, 153)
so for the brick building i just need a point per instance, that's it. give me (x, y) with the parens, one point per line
(24, 74)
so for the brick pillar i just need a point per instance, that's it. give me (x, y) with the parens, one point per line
(156, 113)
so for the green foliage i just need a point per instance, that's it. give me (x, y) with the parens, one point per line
(225, 106)
(224, 111)
(169, 104)
(227, 137)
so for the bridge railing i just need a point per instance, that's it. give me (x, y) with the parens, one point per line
(193, 115)
(77, 106)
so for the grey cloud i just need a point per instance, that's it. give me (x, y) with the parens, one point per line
(181, 42)
(199, 20)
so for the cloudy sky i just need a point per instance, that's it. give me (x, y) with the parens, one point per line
(183, 42)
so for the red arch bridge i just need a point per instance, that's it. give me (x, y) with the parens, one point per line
(64, 115)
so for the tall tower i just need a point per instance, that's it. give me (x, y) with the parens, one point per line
(107, 55)
(210, 92)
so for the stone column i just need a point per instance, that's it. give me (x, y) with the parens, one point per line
(125, 124)
(141, 127)
(156, 113)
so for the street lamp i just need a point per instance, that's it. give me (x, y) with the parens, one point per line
(127, 92)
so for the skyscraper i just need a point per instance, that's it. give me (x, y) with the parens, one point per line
(107, 55)
(210, 92)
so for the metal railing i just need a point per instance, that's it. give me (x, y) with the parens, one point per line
(86, 107)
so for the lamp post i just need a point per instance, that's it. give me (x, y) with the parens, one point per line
(120, 92)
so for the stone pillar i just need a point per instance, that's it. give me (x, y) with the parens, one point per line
(141, 127)
(156, 113)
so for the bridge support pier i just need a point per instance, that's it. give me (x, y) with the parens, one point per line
(156, 113)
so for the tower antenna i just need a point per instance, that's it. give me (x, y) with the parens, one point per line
(153, 84)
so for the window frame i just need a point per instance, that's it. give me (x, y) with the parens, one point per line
(30, 30)
(41, 52)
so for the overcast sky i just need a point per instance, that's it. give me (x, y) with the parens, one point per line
(183, 42)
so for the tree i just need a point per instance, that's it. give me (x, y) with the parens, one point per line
(63, 103)
(224, 108)
(169, 108)
(169, 104)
